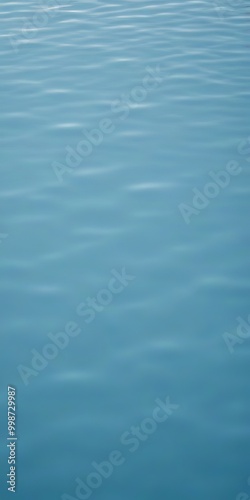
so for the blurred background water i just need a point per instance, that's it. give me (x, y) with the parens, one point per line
(163, 335)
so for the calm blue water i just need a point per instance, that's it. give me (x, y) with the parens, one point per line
(166, 86)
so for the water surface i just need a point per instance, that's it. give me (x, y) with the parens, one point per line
(120, 207)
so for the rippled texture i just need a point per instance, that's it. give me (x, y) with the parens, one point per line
(62, 234)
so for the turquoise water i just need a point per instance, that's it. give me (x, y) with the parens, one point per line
(112, 116)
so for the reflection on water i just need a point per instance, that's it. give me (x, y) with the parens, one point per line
(113, 116)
